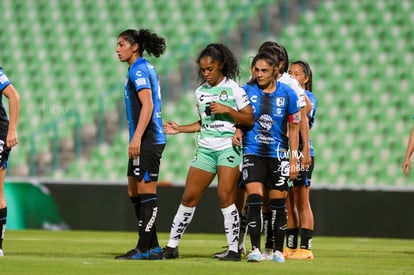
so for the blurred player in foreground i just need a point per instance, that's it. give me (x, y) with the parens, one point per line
(8, 139)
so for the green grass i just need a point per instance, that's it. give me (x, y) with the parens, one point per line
(92, 252)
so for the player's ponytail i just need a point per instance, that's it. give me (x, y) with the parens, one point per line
(146, 40)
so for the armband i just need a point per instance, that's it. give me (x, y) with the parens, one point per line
(294, 118)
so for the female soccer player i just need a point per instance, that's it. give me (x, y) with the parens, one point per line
(8, 139)
(221, 104)
(298, 204)
(266, 161)
(277, 50)
(146, 135)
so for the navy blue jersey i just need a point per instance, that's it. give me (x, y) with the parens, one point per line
(142, 75)
(311, 117)
(4, 82)
(267, 138)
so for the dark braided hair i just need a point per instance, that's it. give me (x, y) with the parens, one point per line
(146, 40)
(278, 50)
(270, 59)
(308, 73)
(219, 52)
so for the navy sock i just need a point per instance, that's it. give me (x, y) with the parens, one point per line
(306, 238)
(292, 237)
(3, 218)
(254, 219)
(146, 225)
(279, 216)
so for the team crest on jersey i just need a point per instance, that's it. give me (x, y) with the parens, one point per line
(280, 101)
(223, 96)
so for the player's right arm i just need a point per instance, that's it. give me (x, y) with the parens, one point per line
(172, 127)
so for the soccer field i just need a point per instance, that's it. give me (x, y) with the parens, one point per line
(92, 252)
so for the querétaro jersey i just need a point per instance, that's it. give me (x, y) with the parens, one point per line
(218, 129)
(268, 136)
(294, 84)
(4, 82)
(311, 117)
(142, 75)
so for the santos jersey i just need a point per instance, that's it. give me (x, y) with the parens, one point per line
(268, 136)
(4, 82)
(218, 129)
(294, 84)
(142, 75)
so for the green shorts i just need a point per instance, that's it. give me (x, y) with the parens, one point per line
(208, 160)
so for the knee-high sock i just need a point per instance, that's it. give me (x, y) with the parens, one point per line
(3, 218)
(182, 219)
(268, 230)
(279, 218)
(136, 204)
(231, 226)
(146, 224)
(254, 219)
(292, 237)
(306, 238)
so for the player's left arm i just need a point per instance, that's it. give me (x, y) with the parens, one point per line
(406, 166)
(14, 110)
(293, 125)
(305, 132)
(145, 96)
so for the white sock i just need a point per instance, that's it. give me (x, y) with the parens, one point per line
(182, 219)
(231, 226)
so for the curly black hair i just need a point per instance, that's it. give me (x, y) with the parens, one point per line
(220, 52)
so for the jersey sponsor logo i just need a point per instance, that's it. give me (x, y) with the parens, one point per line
(205, 97)
(280, 101)
(245, 98)
(278, 111)
(266, 121)
(230, 159)
(152, 220)
(253, 99)
(3, 79)
(264, 139)
(140, 81)
(213, 126)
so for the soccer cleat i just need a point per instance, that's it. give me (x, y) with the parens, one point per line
(170, 252)
(1, 253)
(288, 252)
(221, 254)
(126, 255)
(278, 257)
(267, 254)
(302, 254)
(133, 254)
(231, 256)
(155, 253)
(254, 256)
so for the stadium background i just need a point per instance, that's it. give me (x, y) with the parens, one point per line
(60, 55)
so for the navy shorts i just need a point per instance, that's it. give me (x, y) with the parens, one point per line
(272, 172)
(4, 151)
(147, 165)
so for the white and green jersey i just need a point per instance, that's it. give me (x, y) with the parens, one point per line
(294, 84)
(218, 129)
